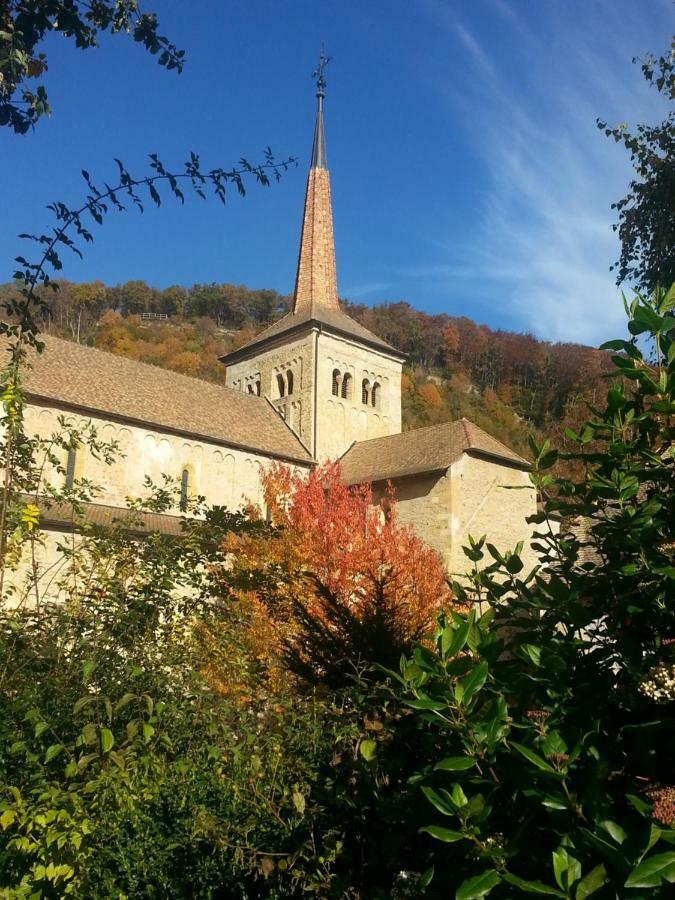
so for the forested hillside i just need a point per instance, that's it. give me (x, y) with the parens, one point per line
(507, 383)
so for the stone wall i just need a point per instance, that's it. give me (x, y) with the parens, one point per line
(493, 499)
(270, 370)
(339, 420)
(475, 496)
(343, 420)
(226, 476)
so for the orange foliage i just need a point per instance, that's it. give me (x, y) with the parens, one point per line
(430, 395)
(340, 564)
(451, 340)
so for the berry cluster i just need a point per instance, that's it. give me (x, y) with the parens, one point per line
(659, 684)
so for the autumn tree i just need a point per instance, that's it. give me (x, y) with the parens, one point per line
(341, 580)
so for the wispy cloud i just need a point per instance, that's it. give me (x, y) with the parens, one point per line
(542, 241)
(356, 291)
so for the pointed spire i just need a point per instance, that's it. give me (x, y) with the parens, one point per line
(319, 149)
(316, 282)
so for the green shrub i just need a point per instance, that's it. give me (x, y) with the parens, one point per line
(552, 703)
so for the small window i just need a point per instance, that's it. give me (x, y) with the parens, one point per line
(70, 468)
(375, 394)
(347, 386)
(336, 382)
(184, 488)
(250, 389)
(257, 388)
(281, 385)
(365, 391)
(289, 382)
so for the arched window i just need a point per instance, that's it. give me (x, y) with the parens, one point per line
(184, 488)
(289, 382)
(281, 385)
(336, 382)
(70, 468)
(347, 386)
(375, 394)
(257, 388)
(250, 388)
(365, 391)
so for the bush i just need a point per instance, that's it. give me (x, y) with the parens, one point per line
(551, 703)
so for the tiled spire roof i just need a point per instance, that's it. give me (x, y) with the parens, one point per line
(316, 281)
(315, 300)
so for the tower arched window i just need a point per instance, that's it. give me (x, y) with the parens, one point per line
(347, 384)
(250, 388)
(365, 391)
(184, 488)
(289, 382)
(336, 382)
(375, 394)
(281, 385)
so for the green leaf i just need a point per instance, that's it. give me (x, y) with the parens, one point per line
(81, 703)
(436, 800)
(427, 877)
(148, 732)
(53, 752)
(459, 638)
(7, 818)
(532, 887)
(591, 882)
(368, 749)
(474, 681)
(616, 831)
(443, 834)
(125, 700)
(533, 652)
(534, 758)
(455, 764)
(298, 799)
(653, 871)
(554, 743)
(118, 759)
(107, 739)
(425, 703)
(88, 667)
(478, 886)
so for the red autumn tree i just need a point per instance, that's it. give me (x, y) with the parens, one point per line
(342, 580)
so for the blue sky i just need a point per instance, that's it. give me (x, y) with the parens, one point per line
(468, 174)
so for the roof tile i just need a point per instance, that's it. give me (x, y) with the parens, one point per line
(429, 449)
(101, 382)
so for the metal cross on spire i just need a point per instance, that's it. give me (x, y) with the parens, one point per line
(318, 73)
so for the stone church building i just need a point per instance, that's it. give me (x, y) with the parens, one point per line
(315, 385)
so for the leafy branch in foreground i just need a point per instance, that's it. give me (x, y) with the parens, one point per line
(24, 24)
(552, 712)
(646, 223)
(21, 311)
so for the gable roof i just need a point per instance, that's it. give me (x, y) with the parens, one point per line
(96, 381)
(431, 449)
(332, 320)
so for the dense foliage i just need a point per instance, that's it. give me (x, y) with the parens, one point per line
(551, 704)
(646, 225)
(24, 24)
(339, 583)
(152, 740)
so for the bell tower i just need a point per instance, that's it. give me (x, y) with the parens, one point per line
(333, 381)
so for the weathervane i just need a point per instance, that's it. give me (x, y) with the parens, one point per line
(318, 73)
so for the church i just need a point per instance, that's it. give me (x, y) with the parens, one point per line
(314, 386)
